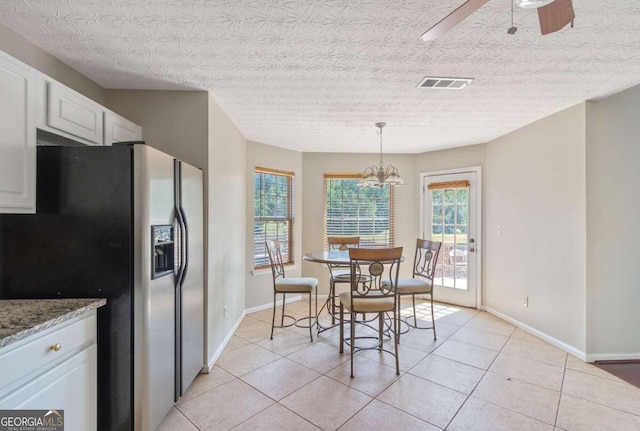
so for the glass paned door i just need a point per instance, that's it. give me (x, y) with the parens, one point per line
(450, 226)
(449, 216)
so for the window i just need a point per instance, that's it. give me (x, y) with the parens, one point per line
(273, 214)
(350, 210)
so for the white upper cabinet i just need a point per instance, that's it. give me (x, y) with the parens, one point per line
(17, 136)
(119, 129)
(66, 112)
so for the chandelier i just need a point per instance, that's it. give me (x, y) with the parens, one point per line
(378, 176)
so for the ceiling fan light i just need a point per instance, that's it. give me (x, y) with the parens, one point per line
(532, 4)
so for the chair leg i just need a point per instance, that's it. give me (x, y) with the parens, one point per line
(332, 294)
(273, 318)
(317, 325)
(341, 328)
(396, 339)
(433, 320)
(397, 316)
(415, 316)
(284, 301)
(310, 319)
(352, 328)
(380, 338)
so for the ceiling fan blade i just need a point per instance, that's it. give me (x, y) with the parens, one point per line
(555, 16)
(453, 19)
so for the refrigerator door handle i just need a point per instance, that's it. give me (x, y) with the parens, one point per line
(185, 245)
(181, 253)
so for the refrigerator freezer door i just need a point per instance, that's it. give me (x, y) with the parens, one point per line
(192, 290)
(154, 302)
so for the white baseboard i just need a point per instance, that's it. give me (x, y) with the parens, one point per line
(321, 298)
(549, 339)
(270, 304)
(613, 357)
(216, 355)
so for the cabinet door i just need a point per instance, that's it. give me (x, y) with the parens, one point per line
(73, 113)
(17, 137)
(118, 129)
(71, 386)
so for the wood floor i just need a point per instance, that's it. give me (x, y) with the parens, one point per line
(627, 371)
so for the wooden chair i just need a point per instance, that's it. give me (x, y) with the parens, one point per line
(379, 264)
(284, 285)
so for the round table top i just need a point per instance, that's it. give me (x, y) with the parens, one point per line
(332, 257)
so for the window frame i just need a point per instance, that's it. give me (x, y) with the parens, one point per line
(349, 176)
(288, 258)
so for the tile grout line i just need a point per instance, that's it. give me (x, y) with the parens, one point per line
(476, 385)
(564, 372)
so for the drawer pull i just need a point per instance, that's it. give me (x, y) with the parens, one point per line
(56, 347)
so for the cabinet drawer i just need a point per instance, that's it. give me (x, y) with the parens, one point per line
(72, 113)
(37, 353)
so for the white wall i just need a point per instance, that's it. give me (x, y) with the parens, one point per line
(259, 285)
(315, 165)
(613, 235)
(535, 190)
(227, 225)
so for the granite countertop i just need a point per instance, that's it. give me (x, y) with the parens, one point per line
(20, 318)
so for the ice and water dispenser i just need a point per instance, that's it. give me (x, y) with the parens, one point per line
(163, 261)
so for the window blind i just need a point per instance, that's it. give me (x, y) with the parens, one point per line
(273, 214)
(449, 185)
(350, 210)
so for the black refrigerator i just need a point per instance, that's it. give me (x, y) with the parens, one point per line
(125, 223)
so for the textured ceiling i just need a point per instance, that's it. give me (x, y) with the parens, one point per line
(316, 75)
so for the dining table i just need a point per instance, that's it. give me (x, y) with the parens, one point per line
(330, 257)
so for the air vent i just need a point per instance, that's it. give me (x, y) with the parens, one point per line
(444, 83)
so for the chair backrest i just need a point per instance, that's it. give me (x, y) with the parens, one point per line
(274, 250)
(426, 258)
(343, 243)
(379, 265)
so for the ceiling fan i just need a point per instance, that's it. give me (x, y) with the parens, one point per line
(553, 15)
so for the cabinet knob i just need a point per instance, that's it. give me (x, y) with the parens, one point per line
(56, 347)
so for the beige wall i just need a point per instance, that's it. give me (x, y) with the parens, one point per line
(535, 190)
(613, 206)
(315, 165)
(25, 51)
(175, 122)
(259, 286)
(227, 226)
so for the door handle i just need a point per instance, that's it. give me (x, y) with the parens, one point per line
(472, 249)
(472, 240)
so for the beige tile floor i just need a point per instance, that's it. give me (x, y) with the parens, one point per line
(481, 374)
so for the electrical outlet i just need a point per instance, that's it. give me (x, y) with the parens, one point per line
(224, 311)
(525, 302)
(499, 230)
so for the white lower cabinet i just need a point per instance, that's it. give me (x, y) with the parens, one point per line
(17, 136)
(39, 377)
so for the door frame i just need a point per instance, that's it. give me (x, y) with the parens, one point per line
(479, 244)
